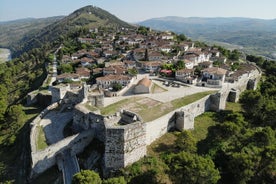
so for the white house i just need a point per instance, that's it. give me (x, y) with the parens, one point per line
(186, 75)
(108, 80)
(151, 66)
(213, 77)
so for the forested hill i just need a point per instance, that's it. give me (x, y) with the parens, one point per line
(255, 36)
(84, 18)
(13, 31)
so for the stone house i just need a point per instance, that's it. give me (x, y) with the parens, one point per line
(165, 48)
(86, 40)
(167, 36)
(84, 73)
(85, 61)
(213, 77)
(68, 76)
(183, 46)
(154, 56)
(189, 64)
(186, 75)
(116, 70)
(130, 64)
(143, 86)
(66, 59)
(151, 66)
(206, 64)
(139, 54)
(108, 80)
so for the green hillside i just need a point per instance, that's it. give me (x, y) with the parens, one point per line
(13, 31)
(84, 18)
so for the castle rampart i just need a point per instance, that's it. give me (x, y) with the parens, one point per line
(125, 135)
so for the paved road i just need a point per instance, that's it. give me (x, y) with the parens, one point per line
(54, 123)
(70, 166)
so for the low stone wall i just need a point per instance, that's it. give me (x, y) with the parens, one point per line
(42, 160)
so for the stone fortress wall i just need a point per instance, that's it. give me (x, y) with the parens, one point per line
(44, 159)
(125, 135)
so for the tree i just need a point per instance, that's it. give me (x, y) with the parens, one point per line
(146, 58)
(50, 58)
(3, 101)
(192, 168)
(180, 65)
(60, 54)
(234, 55)
(143, 30)
(117, 86)
(118, 180)
(242, 165)
(133, 71)
(86, 177)
(66, 68)
(186, 142)
(16, 114)
(181, 37)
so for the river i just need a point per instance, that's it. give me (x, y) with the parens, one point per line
(5, 55)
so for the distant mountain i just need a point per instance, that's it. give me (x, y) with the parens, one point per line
(256, 36)
(12, 31)
(86, 17)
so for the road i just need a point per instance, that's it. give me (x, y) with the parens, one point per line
(71, 167)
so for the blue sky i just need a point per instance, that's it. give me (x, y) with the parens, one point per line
(138, 10)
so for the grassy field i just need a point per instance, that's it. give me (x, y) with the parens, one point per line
(157, 89)
(150, 109)
(235, 107)
(41, 139)
(202, 123)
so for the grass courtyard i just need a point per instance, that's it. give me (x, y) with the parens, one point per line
(150, 109)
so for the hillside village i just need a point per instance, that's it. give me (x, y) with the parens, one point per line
(112, 59)
(129, 63)
(89, 96)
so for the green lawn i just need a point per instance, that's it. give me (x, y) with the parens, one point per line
(235, 107)
(90, 107)
(157, 89)
(177, 103)
(150, 109)
(41, 139)
(202, 123)
(113, 108)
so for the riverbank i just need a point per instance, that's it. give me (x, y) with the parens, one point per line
(5, 55)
